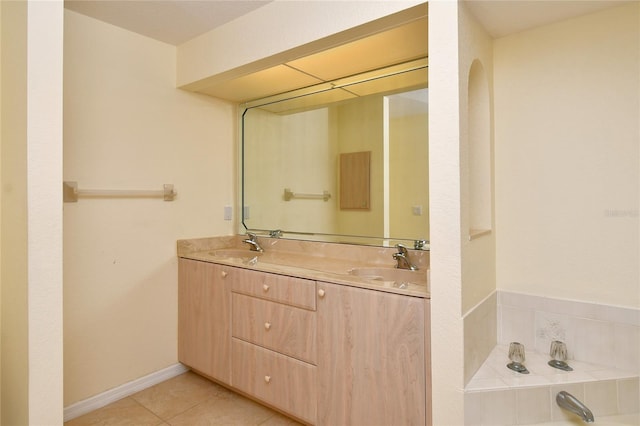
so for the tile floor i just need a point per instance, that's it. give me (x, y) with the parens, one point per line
(185, 400)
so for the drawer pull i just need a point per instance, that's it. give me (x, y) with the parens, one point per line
(265, 288)
(267, 325)
(321, 293)
(224, 274)
(267, 379)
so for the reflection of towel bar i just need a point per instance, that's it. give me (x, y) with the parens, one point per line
(71, 193)
(288, 195)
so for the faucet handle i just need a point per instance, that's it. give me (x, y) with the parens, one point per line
(421, 244)
(401, 249)
(252, 236)
(275, 233)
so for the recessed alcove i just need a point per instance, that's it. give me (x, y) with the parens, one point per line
(479, 162)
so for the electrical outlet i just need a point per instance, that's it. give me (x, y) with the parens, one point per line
(417, 210)
(228, 213)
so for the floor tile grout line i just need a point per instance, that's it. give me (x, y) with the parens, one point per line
(267, 419)
(174, 415)
(190, 408)
(147, 409)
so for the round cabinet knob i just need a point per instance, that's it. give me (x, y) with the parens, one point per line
(265, 287)
(321, 293)
(267, 379)
(224, 274)
(267, 325)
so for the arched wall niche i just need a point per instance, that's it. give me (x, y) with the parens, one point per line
(479, 131)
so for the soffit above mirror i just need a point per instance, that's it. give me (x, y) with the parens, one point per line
(396, 45)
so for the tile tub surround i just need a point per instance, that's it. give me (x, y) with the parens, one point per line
(594, 333)
(613, 402)
(495, 376)
(603, 349)
(499, 396)
(480, 334)
(329, 262)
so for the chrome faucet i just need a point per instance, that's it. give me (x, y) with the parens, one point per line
(569, 402)
(253, 242)
(402, 257)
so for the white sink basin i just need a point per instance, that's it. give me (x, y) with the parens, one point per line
(400, 278)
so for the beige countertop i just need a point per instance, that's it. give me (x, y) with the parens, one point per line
(328, 262)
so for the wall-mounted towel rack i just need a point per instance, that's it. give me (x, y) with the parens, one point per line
(71, 193)
(289, 194)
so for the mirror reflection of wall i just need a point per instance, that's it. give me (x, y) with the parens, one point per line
(409, 164)
(293, 151)
(301, 151)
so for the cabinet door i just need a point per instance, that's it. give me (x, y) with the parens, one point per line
(204, 316)
(371, 357)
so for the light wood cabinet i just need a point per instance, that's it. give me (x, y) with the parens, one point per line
(204, 318)
(324, 353)
(371, 357)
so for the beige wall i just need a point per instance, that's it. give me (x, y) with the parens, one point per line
(44, 164)
(479, 254)
(31, 227)
(476, 194)
(567, 158)
(0, 211)
(360, 129)
(409, 169)
(127, 127)
(15, 368)
(447, 356)
(462, 270)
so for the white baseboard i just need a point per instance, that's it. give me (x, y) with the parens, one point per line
(105, 398)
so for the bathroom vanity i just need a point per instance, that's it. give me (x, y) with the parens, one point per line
(300, 332)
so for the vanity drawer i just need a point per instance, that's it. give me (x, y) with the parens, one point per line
(280, 288)
(286, 329)
(278, 380)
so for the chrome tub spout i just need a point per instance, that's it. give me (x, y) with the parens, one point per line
(569, 402)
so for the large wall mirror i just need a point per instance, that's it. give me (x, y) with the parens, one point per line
(343, 161)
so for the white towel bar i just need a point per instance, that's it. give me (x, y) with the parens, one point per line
(71, 193)
(289, 194)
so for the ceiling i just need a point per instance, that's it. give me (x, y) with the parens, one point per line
(175, 22)
(504, 17)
